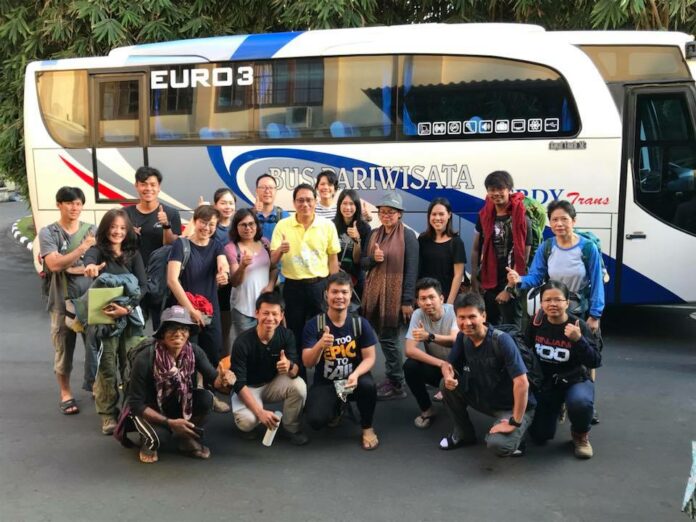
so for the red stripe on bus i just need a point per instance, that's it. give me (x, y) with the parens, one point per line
(104, 191)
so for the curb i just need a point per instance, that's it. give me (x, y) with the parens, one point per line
(24, 241)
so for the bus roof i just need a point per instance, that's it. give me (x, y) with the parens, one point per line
(622, 37)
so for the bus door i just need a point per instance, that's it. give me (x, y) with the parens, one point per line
(118, 130)
(657, 244)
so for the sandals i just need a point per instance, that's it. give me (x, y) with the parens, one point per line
(194, 449)
(369, 440)
(423, 421)
(148, 456)
(69, 407)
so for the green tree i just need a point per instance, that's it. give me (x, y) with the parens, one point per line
(44, 29)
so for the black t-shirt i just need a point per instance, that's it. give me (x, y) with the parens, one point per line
(254, 363)
(199, 275)
(437, 260)
(135, 266)
(557, 353)
(151, 232)
(339, 361)
(502, 243)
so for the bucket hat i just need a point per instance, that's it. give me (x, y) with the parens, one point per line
(175, 314)
(391, 200)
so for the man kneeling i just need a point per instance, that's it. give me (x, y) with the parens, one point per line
(342, 347)
(162, 394)
(487, 373)
(265, 361)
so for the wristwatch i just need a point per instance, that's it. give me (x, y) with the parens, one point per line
(431, 337)
(167, 226)
(513, 422)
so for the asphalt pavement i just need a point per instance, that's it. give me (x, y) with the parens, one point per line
(60, 468)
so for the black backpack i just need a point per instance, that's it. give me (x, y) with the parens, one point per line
(156, 270)
(535, 374)
(356, 325)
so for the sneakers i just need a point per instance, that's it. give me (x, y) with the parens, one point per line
(298, 438)
(521, 449)
(220, 406)
(108, 425)
(582, 446)
(390, 391)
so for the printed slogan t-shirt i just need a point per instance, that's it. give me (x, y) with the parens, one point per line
(344, 356)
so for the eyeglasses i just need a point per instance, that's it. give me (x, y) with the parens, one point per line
(387, 212)
(554, 300)
(266, 188)
(302, 201)
(250, 224)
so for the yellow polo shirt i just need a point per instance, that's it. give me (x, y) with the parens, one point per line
(309, 249)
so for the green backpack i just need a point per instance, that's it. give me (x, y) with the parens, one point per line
(536, 213)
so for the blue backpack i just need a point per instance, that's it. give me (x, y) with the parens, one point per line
(156, 270)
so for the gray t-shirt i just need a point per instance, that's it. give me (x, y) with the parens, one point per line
(447, 325)
(53, 238)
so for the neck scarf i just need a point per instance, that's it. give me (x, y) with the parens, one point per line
(383, 285)
(173, 376)
(489, 262)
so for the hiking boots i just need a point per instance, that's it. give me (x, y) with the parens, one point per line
(108, 425)
(582, 446)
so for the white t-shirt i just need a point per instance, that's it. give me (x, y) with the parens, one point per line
(447, 325)
(256, 278)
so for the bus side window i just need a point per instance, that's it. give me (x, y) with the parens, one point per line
(665, 171)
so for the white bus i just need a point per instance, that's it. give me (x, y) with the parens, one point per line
(603, 119)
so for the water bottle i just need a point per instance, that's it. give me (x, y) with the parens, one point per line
(271, 433)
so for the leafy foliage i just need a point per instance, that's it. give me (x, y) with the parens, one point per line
(43, 29)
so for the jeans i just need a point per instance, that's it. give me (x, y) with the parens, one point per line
(323, 404)
(390, 340)
(502, 444)
(152, 434)
(503, 313)
(579, 400)
(241, 322)
(418, 375)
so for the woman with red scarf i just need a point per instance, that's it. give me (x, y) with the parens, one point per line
(500, 241)
(162, 394)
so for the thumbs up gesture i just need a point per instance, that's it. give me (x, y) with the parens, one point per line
(284, 245)
(162, 217)
(201, 201)
(222, 276)
(419, 333)
(379, 254)
(512, 276)
(246, 258)
(327, 338)
(573, 331)
(258, 205)
(283, 365)
(352, 232)
(93, 270)
(88, 242)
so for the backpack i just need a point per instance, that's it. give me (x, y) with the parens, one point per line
(536, 213)
(535, 374)
(125, 424)
(46, 274)
(583, 298)
(156, 270)
(356, 325)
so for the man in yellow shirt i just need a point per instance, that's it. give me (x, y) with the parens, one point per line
(308, 247)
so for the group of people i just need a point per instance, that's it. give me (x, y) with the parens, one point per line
(256, 297)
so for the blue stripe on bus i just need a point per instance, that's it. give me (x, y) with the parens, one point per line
(261, 46)
(637, 288)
